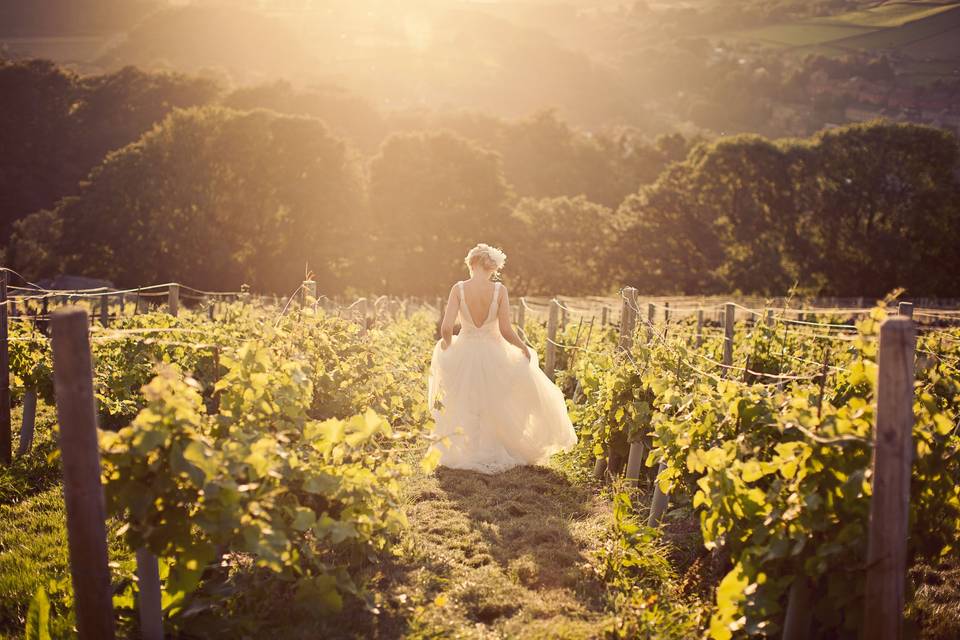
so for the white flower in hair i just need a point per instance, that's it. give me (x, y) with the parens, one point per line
(491, 257)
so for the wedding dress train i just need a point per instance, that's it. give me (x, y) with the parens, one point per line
(497, 409)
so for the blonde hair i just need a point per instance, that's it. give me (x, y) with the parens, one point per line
(488, 257)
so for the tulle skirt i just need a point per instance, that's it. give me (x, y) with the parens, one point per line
(493, 408)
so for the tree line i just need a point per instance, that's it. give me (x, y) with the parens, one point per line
(139, 177)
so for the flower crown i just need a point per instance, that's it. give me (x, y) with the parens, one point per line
(492, 255)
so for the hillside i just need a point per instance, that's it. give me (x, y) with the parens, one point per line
(922, 38)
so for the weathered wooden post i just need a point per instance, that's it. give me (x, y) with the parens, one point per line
(905, 309)
(80, 457)
(550, 357)
(628, 322)
(604, 315)
(29, 421)
(173, 300)
(308, 293)
(892, 461)
(362, 314)
(768, 318)
(699, 338)
(6, 436)
(148, 600)
(728, 320)
(666, 313)
(137, 302)
(628, 318)
(651, 316)
(105, 310)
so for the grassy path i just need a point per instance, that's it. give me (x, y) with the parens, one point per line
(503, 556)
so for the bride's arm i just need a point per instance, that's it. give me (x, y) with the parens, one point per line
(506, 327)
(449, 317)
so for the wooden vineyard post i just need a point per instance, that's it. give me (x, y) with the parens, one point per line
(628, 325)
(699, 338)
(628, 318)
(105, 310)
(604, 315)
(768, 318)
(309, 293)
(362, 314)
(173, 300)
(550, 357)
(136, 303)
(905, 309)
(80, 456)
(148, 600)
(651, 315)
(29, 421)
(6, 437)
(890, 504)
(728, 320)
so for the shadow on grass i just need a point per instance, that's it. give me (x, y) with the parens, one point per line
(524, 515)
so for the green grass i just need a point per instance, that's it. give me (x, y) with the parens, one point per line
(33, 535)
(922, 28)
(890, 14)
(39, 469)
(801, 34)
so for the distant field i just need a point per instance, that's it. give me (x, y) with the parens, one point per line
(920, 30)
(891, 14)
(62, 48)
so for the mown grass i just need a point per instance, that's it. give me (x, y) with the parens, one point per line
(935, 608)
(33, 535)
(38, 469)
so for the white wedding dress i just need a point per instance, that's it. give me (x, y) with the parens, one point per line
(496, 409)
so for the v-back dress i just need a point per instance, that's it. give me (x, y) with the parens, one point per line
(497, 409)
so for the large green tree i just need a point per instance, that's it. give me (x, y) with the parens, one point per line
(564, 246)
(859, 210)
(432, 197)
(212, 197)
(56, 126)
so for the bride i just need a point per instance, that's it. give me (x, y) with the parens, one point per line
(493, 406)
